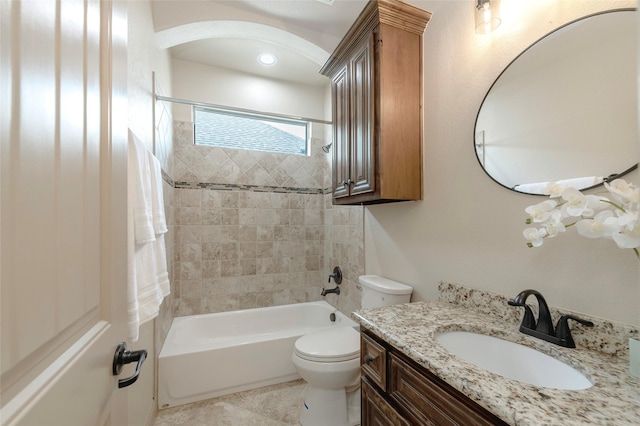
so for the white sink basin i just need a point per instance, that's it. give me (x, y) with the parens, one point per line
(513, 361)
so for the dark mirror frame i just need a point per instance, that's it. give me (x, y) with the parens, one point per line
(606, 179)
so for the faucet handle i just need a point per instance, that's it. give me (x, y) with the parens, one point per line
(563, 332)
(336, 275)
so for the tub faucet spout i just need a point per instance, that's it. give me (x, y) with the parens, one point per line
(329, 291)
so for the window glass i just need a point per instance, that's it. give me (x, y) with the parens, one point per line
(231, 129)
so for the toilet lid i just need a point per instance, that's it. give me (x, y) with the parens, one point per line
(334, 345)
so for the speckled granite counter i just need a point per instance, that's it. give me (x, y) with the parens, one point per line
(613, 400)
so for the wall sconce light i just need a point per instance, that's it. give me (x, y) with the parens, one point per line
(487, 16)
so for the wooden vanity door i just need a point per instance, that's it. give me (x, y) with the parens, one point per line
(376, 411)
(363, 167)
(341, 139)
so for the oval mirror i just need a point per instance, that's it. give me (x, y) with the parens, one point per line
(565, 109)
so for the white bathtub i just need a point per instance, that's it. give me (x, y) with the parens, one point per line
(206, 356)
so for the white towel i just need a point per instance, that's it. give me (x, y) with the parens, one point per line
(148, 280)
(140, 183)
(159, 224)
(157, 200)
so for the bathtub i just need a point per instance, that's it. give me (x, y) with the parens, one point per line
(206, 356)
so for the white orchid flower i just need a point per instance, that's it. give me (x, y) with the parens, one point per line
(603, 224)
(541, 212)
(628, 219)
(577, 204)
(534, 236)
(628, 238)
(553, 189)
(594, 216)
(554, 224)
(626, 192)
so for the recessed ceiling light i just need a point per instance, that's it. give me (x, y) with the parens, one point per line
(267, 59)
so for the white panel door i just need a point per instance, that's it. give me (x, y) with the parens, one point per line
(63, 216)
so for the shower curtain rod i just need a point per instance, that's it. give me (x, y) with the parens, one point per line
(246, 111)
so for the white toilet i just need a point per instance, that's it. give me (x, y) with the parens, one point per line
(329, 361)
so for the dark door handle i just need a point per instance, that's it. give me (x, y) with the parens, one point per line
(121, 357)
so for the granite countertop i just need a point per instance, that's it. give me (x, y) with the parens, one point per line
(614, 398)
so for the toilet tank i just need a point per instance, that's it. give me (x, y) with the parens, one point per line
(379, 291)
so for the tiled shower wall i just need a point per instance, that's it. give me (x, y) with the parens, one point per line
(344, 247)
(257, 229)
(163, 147)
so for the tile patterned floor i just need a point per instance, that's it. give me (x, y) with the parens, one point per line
(276, 405)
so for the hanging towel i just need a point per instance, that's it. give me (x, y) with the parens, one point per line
(140, 184)
(159, 224)
(148, 280)
(157, 200)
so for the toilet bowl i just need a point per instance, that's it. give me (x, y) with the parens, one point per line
(329, 361)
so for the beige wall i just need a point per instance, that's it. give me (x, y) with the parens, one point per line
(203, 83)
(468, 230)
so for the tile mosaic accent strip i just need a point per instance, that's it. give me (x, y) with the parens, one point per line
(254, 188)
(167, 178)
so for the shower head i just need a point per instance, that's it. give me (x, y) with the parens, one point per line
(326, 148)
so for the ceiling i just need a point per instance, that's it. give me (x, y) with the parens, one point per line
(241, 55)
(315, 17)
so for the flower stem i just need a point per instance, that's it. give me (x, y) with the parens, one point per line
(617, 206)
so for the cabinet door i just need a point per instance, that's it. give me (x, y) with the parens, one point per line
(341, 164)
(376, 411)
(362, 118)
(422, 396)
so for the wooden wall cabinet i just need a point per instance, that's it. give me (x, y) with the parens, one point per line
(397, 391)
(376, 86)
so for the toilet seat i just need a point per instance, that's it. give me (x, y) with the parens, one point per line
(334, 345)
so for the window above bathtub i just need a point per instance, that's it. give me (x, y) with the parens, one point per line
(251, 131)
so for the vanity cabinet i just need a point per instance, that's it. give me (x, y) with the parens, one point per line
(398, 391)
(376, 87)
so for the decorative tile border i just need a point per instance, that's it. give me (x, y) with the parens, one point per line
(253, 188)
(167, 178)
(241, 187)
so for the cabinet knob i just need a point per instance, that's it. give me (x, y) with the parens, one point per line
(368, 359)
(349, 182)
